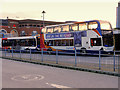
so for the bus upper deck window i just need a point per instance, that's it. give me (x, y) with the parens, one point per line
(82, 26)
(65, 28)
(73, 27)
(44, 30)
(92, 25)
(50, 30)
(56, 29)
(105, 26)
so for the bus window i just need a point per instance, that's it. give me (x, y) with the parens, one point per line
(67, 42)
(65, 28)
(83, 26)
(73, 27)
(95, 41)
(56, 29)
(22, 42)
(92, 25)
(108, 40)
(59, 42)
(63, 42)
(71, 42)
(4, 43)
(50, 30)
(28, 42)
(105, 26)
(38, 42)
(46, 42)
(14, 42)
(56, 43)
(51, 43)
(44, 30)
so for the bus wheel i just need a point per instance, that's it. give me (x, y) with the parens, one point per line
(83, 50)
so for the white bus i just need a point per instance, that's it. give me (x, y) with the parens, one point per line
(23, 43)
(86, 37)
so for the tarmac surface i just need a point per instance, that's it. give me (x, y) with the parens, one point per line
(26, 75)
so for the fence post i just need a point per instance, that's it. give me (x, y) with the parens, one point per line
(56, 56)
(5, 52)
(12, 52)
(42, 54)
(30, 53)
(99, 59)
(75, 57)
(118, 63)
(114, 60)
(20, 53)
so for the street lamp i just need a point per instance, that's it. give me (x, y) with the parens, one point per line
(43, 17)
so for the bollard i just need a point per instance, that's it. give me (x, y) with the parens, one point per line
(99, 59)
(56, 56)
(75, 58)
(30, 54)
(42, 54)
(5, 52)
(114, 61)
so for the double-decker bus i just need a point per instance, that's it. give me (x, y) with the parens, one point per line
(21, 43)
(86, 37)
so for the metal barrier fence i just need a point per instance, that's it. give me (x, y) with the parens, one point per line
(103, 62)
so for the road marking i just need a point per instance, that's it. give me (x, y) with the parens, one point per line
(57, 86)
(27, 77)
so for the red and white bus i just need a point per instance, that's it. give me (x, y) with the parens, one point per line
(23, 43)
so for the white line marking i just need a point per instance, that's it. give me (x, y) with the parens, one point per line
(28, 77)
(57, 86)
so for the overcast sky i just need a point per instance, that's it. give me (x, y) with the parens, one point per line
(62, 10)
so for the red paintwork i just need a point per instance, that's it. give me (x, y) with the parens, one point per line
(4, 38)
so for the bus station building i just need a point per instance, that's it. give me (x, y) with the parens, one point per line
(26, 27)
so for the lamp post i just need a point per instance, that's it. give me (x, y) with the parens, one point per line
(43, 12)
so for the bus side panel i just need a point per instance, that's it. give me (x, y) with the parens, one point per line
(78, 38)
(86, 41)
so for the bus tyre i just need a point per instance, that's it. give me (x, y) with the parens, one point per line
(83, 50)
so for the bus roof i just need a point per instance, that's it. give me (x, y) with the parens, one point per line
(99, 21)
(92, 21)
(59, 25)
(25, 37)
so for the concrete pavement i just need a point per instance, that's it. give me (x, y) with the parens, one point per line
(25, 75)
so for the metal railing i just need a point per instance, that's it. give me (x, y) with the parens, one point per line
(103, 62)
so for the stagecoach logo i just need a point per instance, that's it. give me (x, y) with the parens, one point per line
(59, 35)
